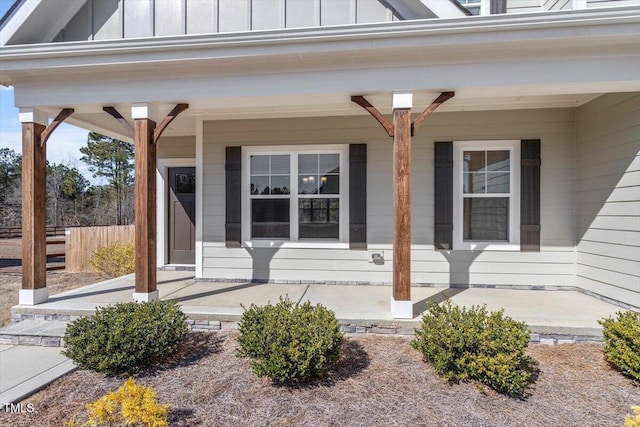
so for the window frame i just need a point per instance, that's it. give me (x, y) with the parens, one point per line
(294, 241)
(459, 147)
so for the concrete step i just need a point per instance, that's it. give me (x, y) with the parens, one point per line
(46, 333)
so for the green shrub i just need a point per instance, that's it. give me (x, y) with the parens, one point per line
(289, 342)
(125, 337)
(471, 344)
(114, 260)
(622, 342)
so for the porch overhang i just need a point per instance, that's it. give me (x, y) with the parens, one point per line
(492, 62)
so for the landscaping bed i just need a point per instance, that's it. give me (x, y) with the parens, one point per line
(379, 381)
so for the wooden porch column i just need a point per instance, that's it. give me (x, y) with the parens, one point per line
(35, 132)
(402, 129)
(401, 305)
(145, 136)
(34, 219)
(145, 204)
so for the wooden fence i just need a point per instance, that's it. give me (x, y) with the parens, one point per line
(15, 232)
(82, 242)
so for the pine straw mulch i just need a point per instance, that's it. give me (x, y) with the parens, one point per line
(380, 381)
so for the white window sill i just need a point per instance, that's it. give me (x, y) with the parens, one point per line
(280, 244)
(480, 246)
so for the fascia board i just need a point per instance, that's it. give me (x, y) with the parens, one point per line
(479, 31)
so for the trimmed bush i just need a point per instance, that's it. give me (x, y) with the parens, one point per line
(622, 342)
(472, 344)
(126, 337)
(289, 342)
(131, 404)
(114, 260)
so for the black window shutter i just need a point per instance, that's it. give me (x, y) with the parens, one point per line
(443, 196)
(530, 195)
(233, 191)
(358, 196)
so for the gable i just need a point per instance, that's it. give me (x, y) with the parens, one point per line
(41, 21)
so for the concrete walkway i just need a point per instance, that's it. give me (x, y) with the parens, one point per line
(25, 369)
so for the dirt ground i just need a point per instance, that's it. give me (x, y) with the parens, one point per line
(11, 278)
(380, 381)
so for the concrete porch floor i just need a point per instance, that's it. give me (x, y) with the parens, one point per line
(545, 312)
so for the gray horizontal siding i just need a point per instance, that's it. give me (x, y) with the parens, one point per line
(113, 19)
(608, 194)
(554, 265)
(177, 147)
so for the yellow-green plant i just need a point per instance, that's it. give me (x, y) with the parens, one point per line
(131, 404)
(633, 420)
(622, 342)
(114, 260)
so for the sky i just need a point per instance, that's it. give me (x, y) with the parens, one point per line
(64, 144)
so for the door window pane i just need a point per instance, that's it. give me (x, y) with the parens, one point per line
(486, 219)
(185, 183)
(270, 218)
(319, 218)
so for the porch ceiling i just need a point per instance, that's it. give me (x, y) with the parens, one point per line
(91, 116)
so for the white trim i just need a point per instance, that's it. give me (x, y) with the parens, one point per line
(144, 110)
(162, 194)
(293, 150)
(402, 100)
(33, 115)
(33, 296)
(199, 196)
(401, 309)
(443, 8)
(578, 4)
(514, 195)
(146, 296)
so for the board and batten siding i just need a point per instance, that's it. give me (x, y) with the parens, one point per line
(554, 265)
(608, 197)
(116, 19)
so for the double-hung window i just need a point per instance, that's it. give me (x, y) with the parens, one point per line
(295, 194)
(486, 194)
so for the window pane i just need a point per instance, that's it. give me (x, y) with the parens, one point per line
(308, 164)
(280, 184)
(486, 219)
(498, 160)
(473, 161)
(307, 184)
(185, 183)
(329, 163)
(473, 182)
(270, 218)
(259, 185)
(497, 182)
(330, 184)
(319, 218)
(259, 165)
(280, 164)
